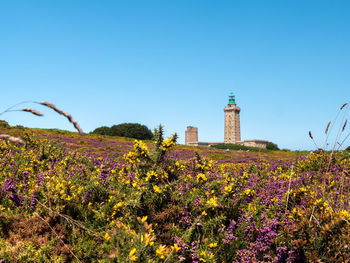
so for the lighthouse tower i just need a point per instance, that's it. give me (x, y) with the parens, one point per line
(232, 123)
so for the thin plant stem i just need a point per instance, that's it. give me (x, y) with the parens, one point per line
(9, 109)
(346, 137)
(339, 132)
(340, 128)
(330, 129)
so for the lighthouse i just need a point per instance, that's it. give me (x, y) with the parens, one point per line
(232, 122)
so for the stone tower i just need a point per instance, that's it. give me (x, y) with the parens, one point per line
(232, 123)
(191, 134)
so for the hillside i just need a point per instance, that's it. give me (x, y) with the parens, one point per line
(115, 147)
(100, 199)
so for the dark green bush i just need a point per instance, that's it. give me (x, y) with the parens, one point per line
(130, 130)
(4, 124)
(272, 146)
(104, 130)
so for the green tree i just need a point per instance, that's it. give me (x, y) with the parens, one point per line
(130, 130)
(272, 146)
(104, 130)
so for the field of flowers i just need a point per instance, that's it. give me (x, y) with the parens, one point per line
(115, 147)
(98, 200)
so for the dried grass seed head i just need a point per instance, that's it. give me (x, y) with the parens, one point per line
(35, 112)
(329, 123)
(65, 114)
(310, 135)
(342, 107)
(346, 121)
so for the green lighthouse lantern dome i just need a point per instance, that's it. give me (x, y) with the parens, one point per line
(232, 99)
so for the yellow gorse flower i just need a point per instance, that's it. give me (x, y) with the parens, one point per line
(175, 248)
(161, 251)
(107, 237)
(212, 202)
(149, 239)
(249, 192)
(201, 178)
(213, 245)
(157, 189)
(132, 255)
(344, 214)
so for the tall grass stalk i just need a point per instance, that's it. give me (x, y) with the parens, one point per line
(37, 113)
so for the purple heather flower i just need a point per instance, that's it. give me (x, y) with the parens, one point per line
(87, 195)
(9, 186)
(39, 178)
(33, 200)
(229, 233)
(293, 255)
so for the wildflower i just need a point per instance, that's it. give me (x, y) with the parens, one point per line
(132, 256)
(201, 178)
(107, 237)
(212, 202)
(157, 189)
(161, 251)
(344, 214)
(228, 188)
(175, 248)
(144, 218)
(252, 208)
(149, 239)
(150, 175)
(168, 143)
(211, 245)
(118, 205)
(249, 192)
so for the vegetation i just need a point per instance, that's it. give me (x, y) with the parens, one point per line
(4, 124)
(130, 130)
(237, 147)
(151, 205)
(272, 146)
(59, 206)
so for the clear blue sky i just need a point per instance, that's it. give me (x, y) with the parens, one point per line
(175, 62)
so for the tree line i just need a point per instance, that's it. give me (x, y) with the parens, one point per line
(130, 130)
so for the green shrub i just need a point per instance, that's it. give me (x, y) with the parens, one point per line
(4, 124)
(104, 130)
(130, 130)
(272, 146)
